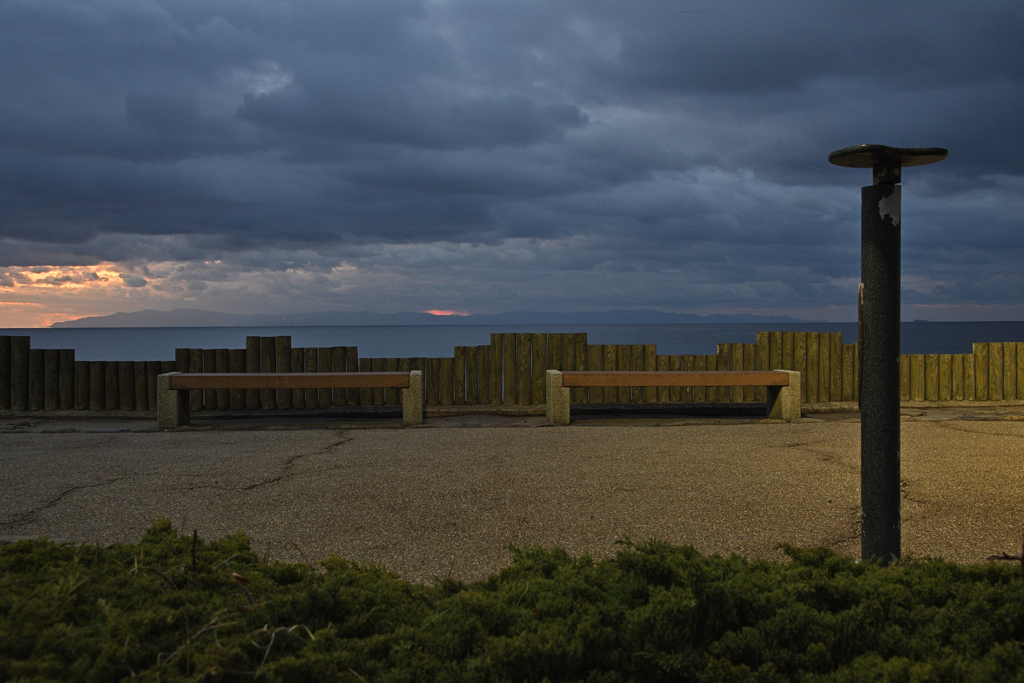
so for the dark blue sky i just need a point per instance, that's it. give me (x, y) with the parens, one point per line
(485, 157)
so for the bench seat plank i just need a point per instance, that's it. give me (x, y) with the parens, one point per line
(695, 378)
(290, 380)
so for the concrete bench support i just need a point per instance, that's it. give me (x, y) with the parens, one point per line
(557, 408)
(783, 387)
(173, 408)
(173, 389)
(412, 400)
(784, 402)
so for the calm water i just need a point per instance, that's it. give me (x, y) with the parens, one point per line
(158, 343)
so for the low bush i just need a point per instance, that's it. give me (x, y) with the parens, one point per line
(173, 608)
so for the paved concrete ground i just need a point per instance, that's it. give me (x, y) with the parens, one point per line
(442, 500)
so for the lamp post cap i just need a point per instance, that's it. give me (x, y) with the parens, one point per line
(867, 156)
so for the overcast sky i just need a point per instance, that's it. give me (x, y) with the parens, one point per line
(484, 157)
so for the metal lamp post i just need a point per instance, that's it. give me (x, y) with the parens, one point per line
(880, 359)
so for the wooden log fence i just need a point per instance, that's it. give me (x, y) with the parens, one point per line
(507, 372)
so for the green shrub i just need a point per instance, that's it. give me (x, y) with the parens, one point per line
(654, 612)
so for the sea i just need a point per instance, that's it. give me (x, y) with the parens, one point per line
(432, 341)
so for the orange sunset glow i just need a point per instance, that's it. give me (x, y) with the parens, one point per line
(434, 311)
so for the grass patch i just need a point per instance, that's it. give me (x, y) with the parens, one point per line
(172, 607)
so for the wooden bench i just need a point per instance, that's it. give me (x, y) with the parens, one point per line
(783, 386)
(173, 400)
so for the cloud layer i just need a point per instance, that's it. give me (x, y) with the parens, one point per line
(440, 154)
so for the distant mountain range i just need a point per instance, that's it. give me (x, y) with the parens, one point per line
(194, 317)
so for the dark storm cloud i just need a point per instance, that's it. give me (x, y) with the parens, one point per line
(600, 137)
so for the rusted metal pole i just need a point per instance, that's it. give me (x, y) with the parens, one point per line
(879, 325)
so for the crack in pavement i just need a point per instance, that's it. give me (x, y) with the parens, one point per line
(26, 517)
(281, 476)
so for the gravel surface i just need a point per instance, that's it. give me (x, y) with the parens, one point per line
(442, 500)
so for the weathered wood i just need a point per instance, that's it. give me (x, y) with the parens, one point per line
(957, 376)
(636, 362)
(36, 379)
(379, 393)
(283, 353)
(970, 383)
(700, 364)
(931, 377)
(738, 352)
(787, 351)
(762, 343)
(152, 372)
(338, 364)
(51, 379)
(824, 367)
(460, 375)
(622, 362)
(650, 364)
(236, 363)
(904, 377)
(112, 400)
(142, 386)
(484, 362)
(509, 369)
(774, 350)
(981, 371)
(66, 399)
(724, 394)
(945, 377)
(582, 352)
(294, 380)
(675, 364)
(195, 364)
(917, 377)
(800, 361)
(268, 363)
(711, 364)
(181, 360)
(539, 368)
(5, 372)
(661, 393)
(1009, 370)
(352, 365)
(365, 394)
(595, 361)
(97, 385)
(126, 384)
(555, 343)
(995, 371)
(252, 364)
(524, 380)
(836, 363)
(81, 385)
(432, 381)
(717, 378)
(569, 352)
(311, 363)
(849, 361)
(447, 383)
(688, 365)
(20, 347)
(1020, 369)
(209, 365)
(472, 376)
(496, 368)
(391, 394)
(811, 378)
(325, 363)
